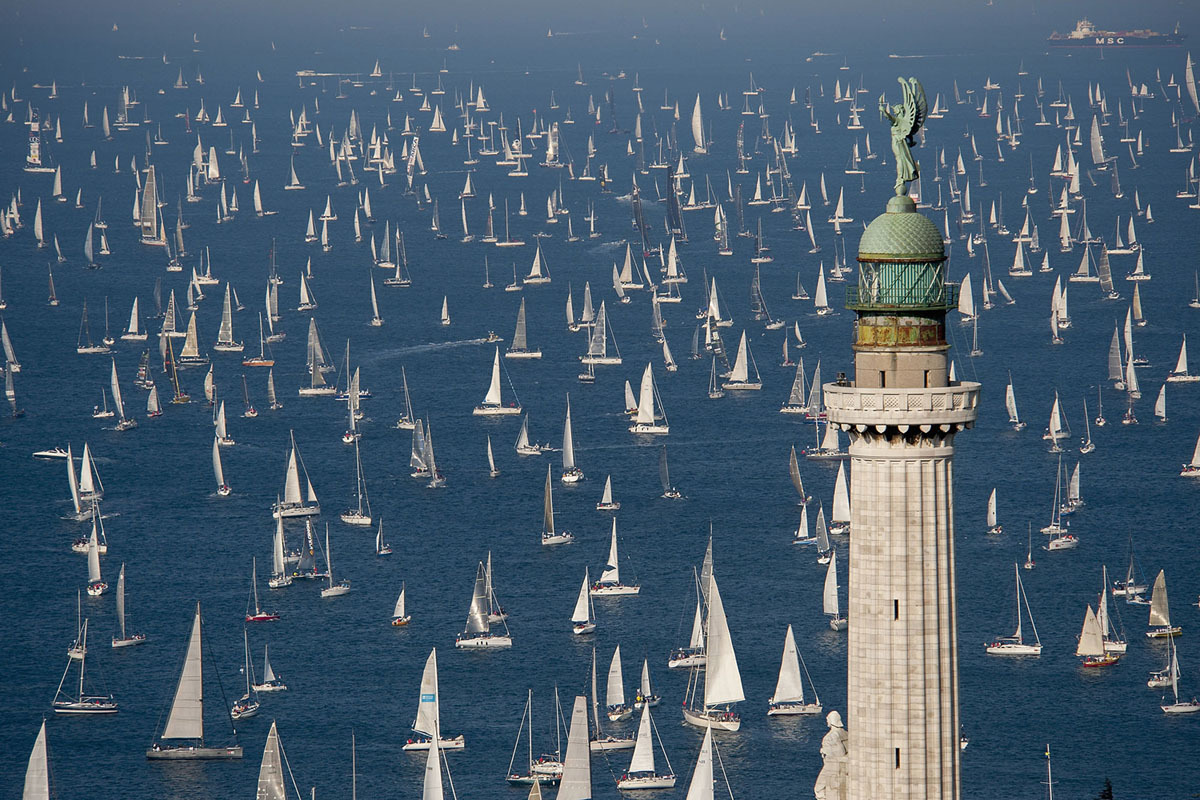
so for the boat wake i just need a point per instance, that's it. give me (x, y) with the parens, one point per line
(387, 355)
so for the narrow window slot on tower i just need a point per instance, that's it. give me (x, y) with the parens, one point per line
(896, 609)
(882, 379)
(897, 758)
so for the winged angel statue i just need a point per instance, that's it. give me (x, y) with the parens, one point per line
(906, 118)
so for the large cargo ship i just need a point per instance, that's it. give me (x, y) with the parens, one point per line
(1088, 35)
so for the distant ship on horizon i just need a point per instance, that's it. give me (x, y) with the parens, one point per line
(1087, 34)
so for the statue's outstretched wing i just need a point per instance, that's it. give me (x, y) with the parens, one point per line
(915, 106)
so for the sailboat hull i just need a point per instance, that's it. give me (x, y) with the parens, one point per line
(414, 745)
(136, 639)
(85, 706)
(612, 743)
(712, 718)
(496, 411)
(793, 709)
(613, 590)
(1013, 649)
(158, 753)
(488, 642)
(649, 429)
(646, 782)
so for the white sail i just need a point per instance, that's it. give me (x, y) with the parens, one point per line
(723, 681)
(701, 786)
(576, 783)
(841, 496)
(698, 128)
(582, 612)
(1091, 639)
(643, 749)
(218, 472)
(37, 772)
(1160, 613)
(93, 554)
(789, 688)
(115, 386)
(492, 398)
(271, 784)
(432, 787)
(615, 690)
(186, 719)
(696, 641)
(829, 598)
(568, 444)
(612, 572)
(428, 721)
(398, 611)
(645, 413)
(991, 509)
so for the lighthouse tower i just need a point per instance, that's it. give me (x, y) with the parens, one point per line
(901, 413)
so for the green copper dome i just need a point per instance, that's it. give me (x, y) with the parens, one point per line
(901, 234)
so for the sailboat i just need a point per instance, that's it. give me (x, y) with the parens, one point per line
(361, 515)
(279, 574)
(1015, 645)
(81, 703)
(400, 615)
(1180, 373)
(125, 639)
(1160, 613)
(645, 694)
(664, 476)
(333, 589)
(225, 342)
(694, 655)
(185, 721)
(1091, 643)
(382, 548)
(478, 635)
(614, 696)
(570, 472)
(1192, 468)
(407, 420)
(247, 705)
(493, 472)
(1176, 707)
(829, 600)
(993, 524)
(722, 679)
(610, 584)
(262, 359)
(643, 772)
(95, 585)
(445, 310)
(124, 423)
(547, 768)
(739, 378)
(271, 682)
(258, 615)
(428, 720)
(293, 504)
(651, 417)
(583, 617)
(493, 404)
(606, 499)
(520, 345)
(788, 699)
(550, 535)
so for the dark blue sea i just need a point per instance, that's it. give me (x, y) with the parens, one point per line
(347, 669)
